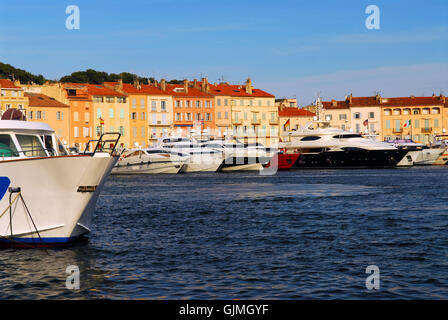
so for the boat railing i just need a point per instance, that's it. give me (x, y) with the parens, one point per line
(103, 145)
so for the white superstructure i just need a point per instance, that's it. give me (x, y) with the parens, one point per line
(149, 161)
(200, 159)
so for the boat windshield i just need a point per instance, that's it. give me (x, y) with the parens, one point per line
(7, 147)
(31, 145)
(61, 148)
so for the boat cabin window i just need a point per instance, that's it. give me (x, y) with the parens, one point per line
(135, 154)
(31, 145)
(310, 138)
(7, 147)
(171, 140)
(347, 136)
(48, 141)
(212, 145)
(156, 151)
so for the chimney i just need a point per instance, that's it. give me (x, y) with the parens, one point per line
(442, 98)
(163, 84)
(204, 84)
(186, 86)
(17, 83)
(137, 84)
(334, 103)
(249, 86)
(120, 84)
(378, 98)
(195, 84)
(350, 98)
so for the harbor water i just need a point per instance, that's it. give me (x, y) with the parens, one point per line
(294, 235)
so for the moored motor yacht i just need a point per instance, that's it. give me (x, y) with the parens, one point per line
(441, 141)
(418, 154)
(48, 197)
(239, 157)
(149, 161)
(326, 147)
(200, 159)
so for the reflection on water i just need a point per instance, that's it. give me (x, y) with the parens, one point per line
(298, 234)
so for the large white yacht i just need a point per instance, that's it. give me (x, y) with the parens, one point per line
(418, 153)
(322, 146)
(149, 161)
(200, 159)
(441, 141)
(47, 197)
(239, 157)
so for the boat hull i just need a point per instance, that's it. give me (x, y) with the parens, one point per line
(285, 161)
(442, 159)
(428, 156)
(60, 194)
(351, 159)
(203, 163)
(243, 163)
(168, 167)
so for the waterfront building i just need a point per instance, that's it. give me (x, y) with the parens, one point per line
(80, 117)
(193, 107)
(150, 109)
(12, 96)
(337, 112)
(291, 118)
(42, 108)
(223, 110)
(286, 102)
(417, 118)
(254, 115)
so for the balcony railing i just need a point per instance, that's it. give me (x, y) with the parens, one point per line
(427, 129)
(255, 121)
(397, 130)
(236, 121)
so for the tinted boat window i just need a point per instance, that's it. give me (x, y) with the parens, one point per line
(310, 138)
(48, 144)
(31, 145)
(7, 147)
(347, 136)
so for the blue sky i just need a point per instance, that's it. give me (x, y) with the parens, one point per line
(289, 48)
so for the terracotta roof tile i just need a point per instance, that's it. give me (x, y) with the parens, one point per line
(237, 91)
(8, 84)
(412, 101)
(176, 90)
(144, 89)
(95, 89)
(294, 112)
(42, 100)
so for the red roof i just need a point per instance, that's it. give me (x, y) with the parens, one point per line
(413, 101)
(335, 104)
(144, 89)
(8, 84)
(294, 112)
(224, 89)
(192, 91)
(95, 89)
(42, 100)
(373, 101)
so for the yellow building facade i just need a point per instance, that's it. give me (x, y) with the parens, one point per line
(56, 114)
(12, 96)
(417, 118)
